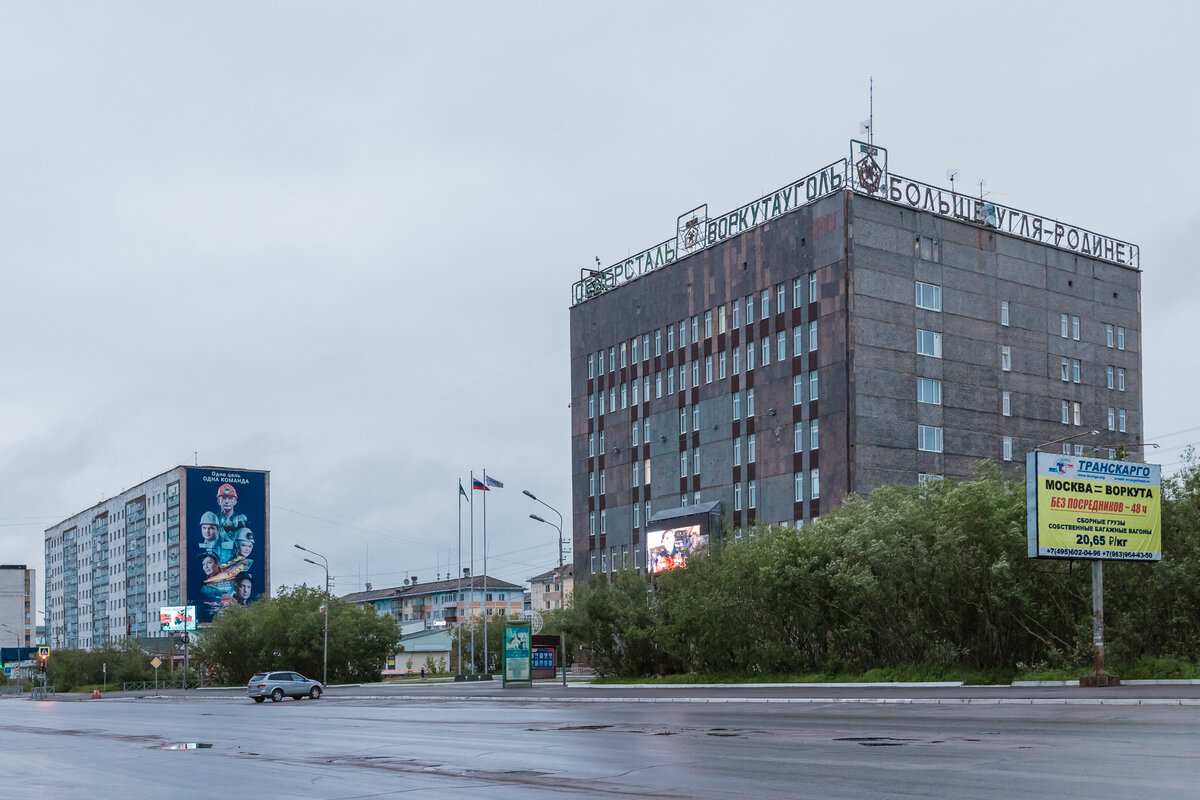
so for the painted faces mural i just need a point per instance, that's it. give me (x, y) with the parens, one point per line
(226, 531)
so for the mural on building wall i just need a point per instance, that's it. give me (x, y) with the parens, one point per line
(226, 546)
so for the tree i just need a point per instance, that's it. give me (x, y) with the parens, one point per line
(287, 632)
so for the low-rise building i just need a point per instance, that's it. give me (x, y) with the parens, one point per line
(550, 590)
(432, 605)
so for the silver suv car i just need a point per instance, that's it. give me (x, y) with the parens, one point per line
(277, 685)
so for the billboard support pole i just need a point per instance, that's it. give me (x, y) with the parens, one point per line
(1099, 676)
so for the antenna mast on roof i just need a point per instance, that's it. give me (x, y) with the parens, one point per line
(871, 110)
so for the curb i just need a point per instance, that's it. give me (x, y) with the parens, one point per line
(902, 701)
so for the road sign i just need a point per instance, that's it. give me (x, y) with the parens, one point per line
(43, 652)
(156, 662)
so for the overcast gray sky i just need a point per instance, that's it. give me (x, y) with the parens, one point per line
(336, 240)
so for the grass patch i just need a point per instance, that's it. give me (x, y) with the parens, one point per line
(1165, 668)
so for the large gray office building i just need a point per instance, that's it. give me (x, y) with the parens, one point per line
(854, 329)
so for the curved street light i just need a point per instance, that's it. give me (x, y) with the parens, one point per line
(562, 640)
(325, 643)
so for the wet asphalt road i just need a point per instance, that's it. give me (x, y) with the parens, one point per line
(468, 740)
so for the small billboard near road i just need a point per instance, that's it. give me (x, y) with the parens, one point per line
(1093, 508)
(177, 618)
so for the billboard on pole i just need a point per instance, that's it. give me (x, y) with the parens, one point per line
(1093, 508)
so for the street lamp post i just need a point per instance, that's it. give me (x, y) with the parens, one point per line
(325, 643)
(562, 639)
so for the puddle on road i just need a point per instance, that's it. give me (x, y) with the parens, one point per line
(875, 741)
(585, 727)
(188, 746)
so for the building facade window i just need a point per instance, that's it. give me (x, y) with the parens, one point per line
(721, 319)
(1110, 373)
(812, 287)
(1076, 414)
(812, 336)
(766, 350)
(737, 315)
(1066, 412)
(781, 346)
(929, 438)
(929, 391)
(1004, 313)
(798, 487)
(708, 324)
(812, 386)
(750, 454)
(753, 492)
(1006, 358)
(1006, 403)
(1121, 420)
(813, 434)
(1064, 325)
(1120, 338)
(929, 343)
(1008, 448)
(1112, 418)
(927, 249)
(722, 365)
(1075, 328)
(815, 484)
(765, 311)
(929, 296)
(1108, 335)
(749, 403)
(1120, 379)
(797, 389)
(798, 434)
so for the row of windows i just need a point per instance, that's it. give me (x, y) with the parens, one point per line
(640, 470)
(929, 297)
(638, 348)
(628, 392)
(745, 496)
(929, 343)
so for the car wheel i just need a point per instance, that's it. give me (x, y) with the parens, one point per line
(276, 695)
(315, 693)
(259, 699)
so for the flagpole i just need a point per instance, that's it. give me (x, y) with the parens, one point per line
(486, 668)
(471, 581)
(460, 597)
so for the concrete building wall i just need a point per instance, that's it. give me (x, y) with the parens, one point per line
(18, 606)
(852, 262)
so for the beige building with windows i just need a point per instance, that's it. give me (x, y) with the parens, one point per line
(551, 589)
(18, 606)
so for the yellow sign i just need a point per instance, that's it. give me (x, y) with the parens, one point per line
(1093, 508)
(156, 662)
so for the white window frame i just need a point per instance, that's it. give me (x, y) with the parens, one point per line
(930, 341)
(929, 390)
(1006, 358)
(929, 296)
(929, 438)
